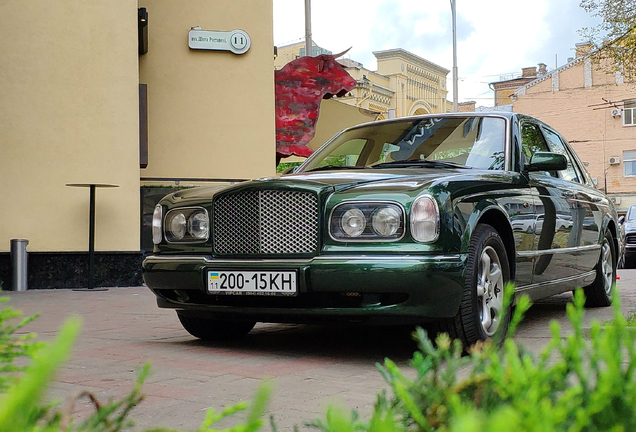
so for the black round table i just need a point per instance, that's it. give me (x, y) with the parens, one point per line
(91, 228)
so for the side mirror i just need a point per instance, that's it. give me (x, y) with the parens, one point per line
(621, 220)
(547, 161)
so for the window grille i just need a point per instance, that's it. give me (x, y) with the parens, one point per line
(629, 113)
(629, 163)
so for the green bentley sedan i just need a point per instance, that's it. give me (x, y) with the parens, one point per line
(410, 221)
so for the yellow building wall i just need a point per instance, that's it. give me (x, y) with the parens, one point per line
(368, 97)
(210, 113)
(287, 54)
(411, 99)
(502, 97)
(336, 116)
(404, 82)
(69, 114)
(391, 67)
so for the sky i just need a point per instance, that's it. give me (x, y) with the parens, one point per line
(495, 38)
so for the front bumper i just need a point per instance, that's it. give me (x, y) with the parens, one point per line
(400, 289)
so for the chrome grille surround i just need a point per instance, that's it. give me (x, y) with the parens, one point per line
(265, 222)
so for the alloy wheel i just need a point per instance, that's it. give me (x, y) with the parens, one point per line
(490, 289)
(607, 267)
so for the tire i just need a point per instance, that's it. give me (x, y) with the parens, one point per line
(481, 315)
(599, 293)
(215, 330)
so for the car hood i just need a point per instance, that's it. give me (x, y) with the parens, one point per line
(630, 227)
(341, 180)
(402, 179)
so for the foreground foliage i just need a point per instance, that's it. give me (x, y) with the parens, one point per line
(618, 20)
(22, 388)
(575, 384)
(582, 382)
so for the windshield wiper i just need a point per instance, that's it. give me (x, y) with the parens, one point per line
(332, 167)
(425, 163)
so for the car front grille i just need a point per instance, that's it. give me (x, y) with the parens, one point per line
(630, 238)
(265, 222)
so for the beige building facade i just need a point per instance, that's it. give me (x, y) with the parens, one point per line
(288, 52)
(70, 112)
(594, 111)
(199, 124)
(506, 87)
(404, 84)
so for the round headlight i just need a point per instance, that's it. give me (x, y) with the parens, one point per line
(199, 226)
(386, 221)
(177, 226)
(353, 222)
(156, 224)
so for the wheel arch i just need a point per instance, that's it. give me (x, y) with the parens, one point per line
(491, 214)
(611, 226)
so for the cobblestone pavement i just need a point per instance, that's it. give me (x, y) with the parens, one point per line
(309, 367)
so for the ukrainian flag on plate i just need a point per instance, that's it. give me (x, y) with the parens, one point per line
(214, 275)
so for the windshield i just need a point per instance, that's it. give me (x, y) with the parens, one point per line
(631, 213)
(471, 142)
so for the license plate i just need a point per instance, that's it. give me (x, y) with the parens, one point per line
(252, 282)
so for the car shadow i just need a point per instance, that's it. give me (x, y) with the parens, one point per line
(342, 341)
(352, 342)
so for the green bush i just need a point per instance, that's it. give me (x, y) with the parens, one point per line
(12, 346)
(284, 165)
(576, 383)
(22, 388)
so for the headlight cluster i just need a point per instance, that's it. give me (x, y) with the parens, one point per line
(156, 224)
(367, 221)
(384, 221)
(186, 225)
(424, 219)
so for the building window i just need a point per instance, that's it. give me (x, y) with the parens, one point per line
(629, 113)
(629, 163)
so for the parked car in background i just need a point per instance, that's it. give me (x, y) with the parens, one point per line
(628, 226)
(407, 220)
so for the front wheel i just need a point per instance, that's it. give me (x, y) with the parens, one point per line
(481, 314)
(215, 330)
(599, 293)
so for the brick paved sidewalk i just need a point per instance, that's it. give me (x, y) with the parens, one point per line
(308, 366)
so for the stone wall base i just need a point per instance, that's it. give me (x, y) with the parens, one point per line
(55, 270)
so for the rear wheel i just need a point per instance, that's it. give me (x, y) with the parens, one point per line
(213, 329)
(599, 293)
(481, 314)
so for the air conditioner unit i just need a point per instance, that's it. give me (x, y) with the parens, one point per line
(616, 200)
(616, 112)
(614, 160)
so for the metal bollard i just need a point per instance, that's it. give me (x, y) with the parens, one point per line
(19, 264)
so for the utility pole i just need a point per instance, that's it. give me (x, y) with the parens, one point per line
(454, 19)
(308, 50)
